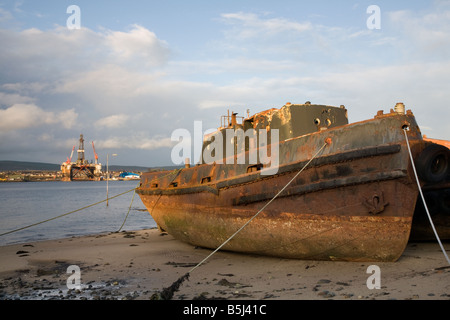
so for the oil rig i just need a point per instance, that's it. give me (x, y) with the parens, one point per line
(81, 169)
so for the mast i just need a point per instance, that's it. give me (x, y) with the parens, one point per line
(81, 150)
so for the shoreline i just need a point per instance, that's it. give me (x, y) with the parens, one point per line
(134, 265)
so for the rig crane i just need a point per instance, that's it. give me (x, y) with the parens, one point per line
(69, 160)
(95, 153)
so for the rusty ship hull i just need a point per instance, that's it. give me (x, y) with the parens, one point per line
(354, 202)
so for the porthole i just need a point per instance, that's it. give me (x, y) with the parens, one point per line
(254, 168)
(206, 180)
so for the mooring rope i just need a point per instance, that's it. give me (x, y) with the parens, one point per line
(265, 206)
(65, 214)
(88, 206)
(167, 293)
(423, 198)
(129, 208)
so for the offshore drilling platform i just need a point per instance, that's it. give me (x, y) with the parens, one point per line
(81, 169)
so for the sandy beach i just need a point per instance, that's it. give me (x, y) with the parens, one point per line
(137, 265)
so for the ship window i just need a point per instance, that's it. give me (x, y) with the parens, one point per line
(206, 179)
(173, 185)
(328, 122)
(154, 185)
(254, 168)
(316, 121)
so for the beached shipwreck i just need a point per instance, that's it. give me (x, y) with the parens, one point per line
(357, 200)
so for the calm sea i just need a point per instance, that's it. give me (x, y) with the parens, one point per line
(26, 203)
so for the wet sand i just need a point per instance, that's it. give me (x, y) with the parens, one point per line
(137, 265)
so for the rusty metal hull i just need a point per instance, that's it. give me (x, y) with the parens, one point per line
(344, 231)
(354, 202)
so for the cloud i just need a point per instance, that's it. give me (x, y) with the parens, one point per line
(135, 142)
(138, 44)
(23, 116)
(256, 35)
(113, 121)
(32, 53)
(29, 54)
(425, 35)
(250, 25)
(67, 118)
(8, 99)
(205, 104)
(20, 116)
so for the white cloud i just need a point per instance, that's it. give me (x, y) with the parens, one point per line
(138, 44)
(23, 116)
(256, 35)
(113, 121)
(20, 116)
(218, 104)
(33, 55)
(135, 142)
(250, 25)
(67, 118)
(33, 45)
(8, 99)
(105, 80)
(237, 65)
(426, 36)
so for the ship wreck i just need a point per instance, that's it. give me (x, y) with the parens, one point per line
(348, 190)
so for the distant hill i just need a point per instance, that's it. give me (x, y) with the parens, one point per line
(24, 166)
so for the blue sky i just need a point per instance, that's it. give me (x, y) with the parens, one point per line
(138, 70)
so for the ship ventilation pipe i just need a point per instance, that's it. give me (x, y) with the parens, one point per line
(399, 108)
(233, 119)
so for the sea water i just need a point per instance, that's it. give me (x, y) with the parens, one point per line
(26, 203)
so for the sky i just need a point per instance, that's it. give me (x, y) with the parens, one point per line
(133, 72)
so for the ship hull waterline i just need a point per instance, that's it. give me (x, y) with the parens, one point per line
(289, 234)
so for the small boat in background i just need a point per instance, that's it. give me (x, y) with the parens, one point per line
(129, 176)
